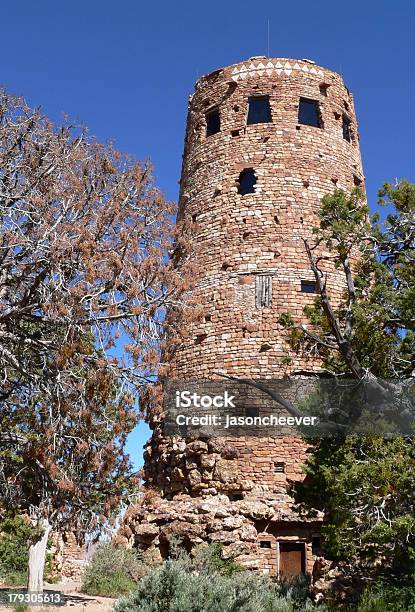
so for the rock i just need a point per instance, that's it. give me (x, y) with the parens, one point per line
(207, 461)
(196, 448)
(248, 533)
(235, 549)
(177, 474)
(191, 464)
(232, 522)
(194, 478)
(224, 471)
(255, 509)
(224, 537)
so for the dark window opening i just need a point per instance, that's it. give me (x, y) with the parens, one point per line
(279, 468)
(347, 129)
(357, 180)
(323, 88)
(264, 544)
(316, 544)
(247, 181)
(309, 113)
(252, 412)
(263, 291)
(259, 110)
(200, 338)
(235, 496)
(308, 286)
(212, 122)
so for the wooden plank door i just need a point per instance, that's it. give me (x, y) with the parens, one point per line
(292, 560)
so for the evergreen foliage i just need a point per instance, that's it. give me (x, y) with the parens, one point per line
(203, 584)
(364, 484)
(113, 571)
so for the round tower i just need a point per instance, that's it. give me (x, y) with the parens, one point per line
(266, 139)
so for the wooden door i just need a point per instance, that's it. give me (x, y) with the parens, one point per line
(292, 560)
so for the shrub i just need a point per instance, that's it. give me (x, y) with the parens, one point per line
(200, 584)
(15, 535)
(113, 571)
(382, 597)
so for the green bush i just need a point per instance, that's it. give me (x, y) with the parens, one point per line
(202, 584)
(113, 571)
(15, 536)
(382, 597)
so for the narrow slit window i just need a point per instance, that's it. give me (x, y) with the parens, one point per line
(212, 122)
(279, 468)
(316, 544)
(263, 291)
(259, 110)
(247, 181)
(309, 113)
(347, 129)
(308, 286)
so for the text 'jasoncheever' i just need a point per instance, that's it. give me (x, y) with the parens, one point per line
(188, 399)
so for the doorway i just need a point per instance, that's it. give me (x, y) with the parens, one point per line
(291, 560)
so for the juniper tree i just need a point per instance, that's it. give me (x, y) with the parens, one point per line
(85, 281)
(364, 484)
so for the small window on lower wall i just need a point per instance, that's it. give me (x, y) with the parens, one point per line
(308, 286)
(316, 544)
(247, 181)
(235, 496)
(265, 544)
(252, 411)
(279, 468)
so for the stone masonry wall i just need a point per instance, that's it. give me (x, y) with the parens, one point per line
(239, 238)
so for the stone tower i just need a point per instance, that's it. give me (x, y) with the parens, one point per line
(265, 140)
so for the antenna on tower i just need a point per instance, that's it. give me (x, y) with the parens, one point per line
(267, 37)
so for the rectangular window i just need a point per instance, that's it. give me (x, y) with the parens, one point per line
(235, 496)
(259, 110)
(279, 468)
(264, 544)
(309, 113)
(263, 291)
(212, 122)
(316, 544)
(247, 181)
(347, 129)
(252, 412)
(308, 286)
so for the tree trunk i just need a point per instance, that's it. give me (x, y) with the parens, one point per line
(37, 556)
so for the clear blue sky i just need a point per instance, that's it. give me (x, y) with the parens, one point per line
(125, 69)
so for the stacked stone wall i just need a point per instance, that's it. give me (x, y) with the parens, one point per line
(238, 240)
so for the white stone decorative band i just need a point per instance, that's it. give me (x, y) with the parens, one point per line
(247, 70)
